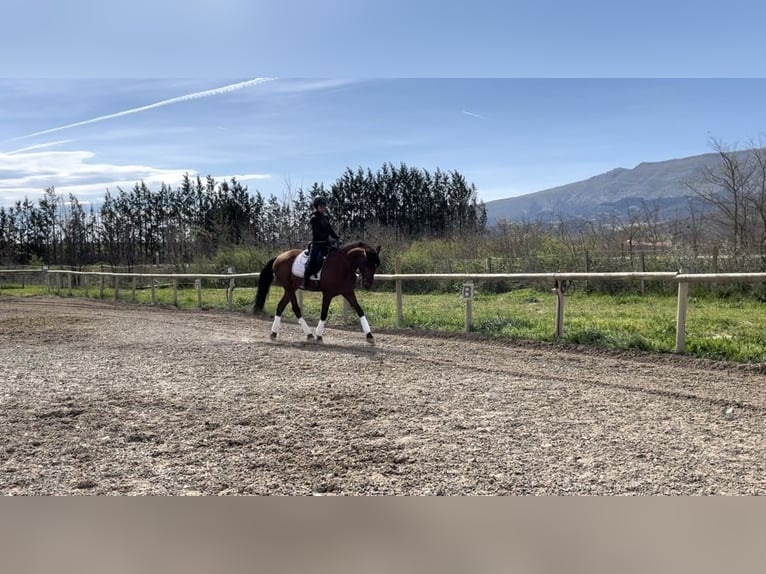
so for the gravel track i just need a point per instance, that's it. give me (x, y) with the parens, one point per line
(112, 398)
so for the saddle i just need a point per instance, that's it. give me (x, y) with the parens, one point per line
(299, 266)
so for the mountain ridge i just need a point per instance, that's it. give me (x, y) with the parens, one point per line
(661, 185)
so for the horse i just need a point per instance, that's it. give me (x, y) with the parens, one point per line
(337, 277)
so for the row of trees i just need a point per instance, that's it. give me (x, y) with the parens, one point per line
(397, 204)
(200, 217)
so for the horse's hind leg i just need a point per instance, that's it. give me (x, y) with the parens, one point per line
(277, 324)
(290, 297)
(299, 314)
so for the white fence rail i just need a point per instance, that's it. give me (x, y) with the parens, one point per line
(556, 279)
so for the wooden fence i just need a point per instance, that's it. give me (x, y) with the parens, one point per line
(556, 280)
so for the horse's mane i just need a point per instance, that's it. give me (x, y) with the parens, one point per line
(345, 248)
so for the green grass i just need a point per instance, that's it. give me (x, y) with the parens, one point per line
(728, 328)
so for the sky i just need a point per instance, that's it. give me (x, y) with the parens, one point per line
(517, 96)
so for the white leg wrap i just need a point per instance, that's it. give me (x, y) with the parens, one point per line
(276, 324)
(365, 324)
(319, 329)
(304, 326)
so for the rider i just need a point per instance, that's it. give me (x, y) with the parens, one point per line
(321, 232)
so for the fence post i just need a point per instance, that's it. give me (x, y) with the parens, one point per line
(399, 312)
(101, 288)
(198, 285)
(86, 284)
(230, 290)
(643, 270)
(559, 289)
(714, 285)
(47, 278)
(116, 288)
(175, 291)
(69, 284)
(154, 291)
(468, 297)
(715, 259)
(133, 289)
(683, 297)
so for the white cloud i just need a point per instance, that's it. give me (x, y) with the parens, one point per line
(244, 177)
(27, 174)
(300, 86)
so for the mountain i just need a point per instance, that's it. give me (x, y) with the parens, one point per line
(658, 185)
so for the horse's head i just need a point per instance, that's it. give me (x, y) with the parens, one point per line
(364, 260)
(368, 265)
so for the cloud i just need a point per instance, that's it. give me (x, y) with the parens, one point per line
(244, 176)
(184, 98)
(28, 174)
(474, 115)
(307, 86)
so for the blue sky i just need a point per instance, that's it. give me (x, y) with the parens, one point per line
(507, 136)
(518, 96)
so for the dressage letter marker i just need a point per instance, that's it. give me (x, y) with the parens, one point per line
(468, 297)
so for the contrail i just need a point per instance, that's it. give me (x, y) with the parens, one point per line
(474, 115)
(194, 96)
(38, 146)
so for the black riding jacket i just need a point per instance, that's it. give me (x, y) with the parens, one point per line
(321, 230)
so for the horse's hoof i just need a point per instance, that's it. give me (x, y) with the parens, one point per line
(309, 337)
(273, 335)
(370, 339)
(319, 339)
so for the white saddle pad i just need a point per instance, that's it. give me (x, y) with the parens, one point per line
(299, 266)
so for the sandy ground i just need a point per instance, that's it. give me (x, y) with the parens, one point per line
(104, 398)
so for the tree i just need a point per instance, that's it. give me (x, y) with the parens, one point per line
(757, 198)
(75, 235)
(726, 187)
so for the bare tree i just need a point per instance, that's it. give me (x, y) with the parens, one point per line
(689, 230)
(727, 187)
(757, 198)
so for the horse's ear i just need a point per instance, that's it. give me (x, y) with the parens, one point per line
(378, 249)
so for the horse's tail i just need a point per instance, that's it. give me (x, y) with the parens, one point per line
(264, 283)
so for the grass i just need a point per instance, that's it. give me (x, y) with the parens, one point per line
(729, 329)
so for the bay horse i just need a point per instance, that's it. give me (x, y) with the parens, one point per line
(337, 277)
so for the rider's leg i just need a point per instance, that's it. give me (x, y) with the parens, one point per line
(308, 271)
(315, 260)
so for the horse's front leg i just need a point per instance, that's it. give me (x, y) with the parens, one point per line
(351, 298)
(326, 299)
